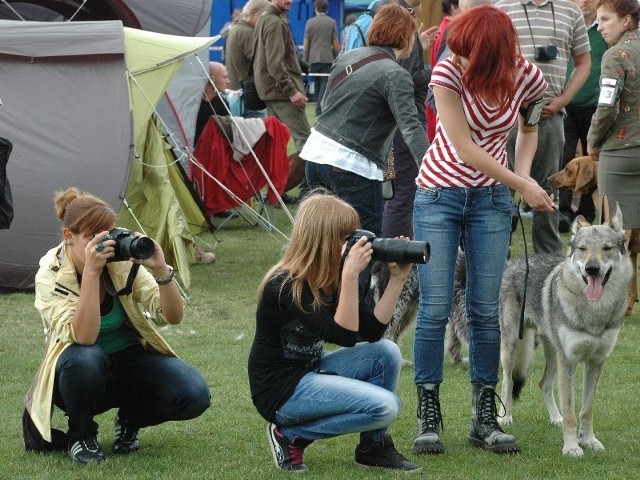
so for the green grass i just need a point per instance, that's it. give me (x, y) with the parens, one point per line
(228, 440)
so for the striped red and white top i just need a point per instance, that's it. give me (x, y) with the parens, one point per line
(441, 165)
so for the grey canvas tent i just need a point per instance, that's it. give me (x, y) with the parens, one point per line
(78, 104)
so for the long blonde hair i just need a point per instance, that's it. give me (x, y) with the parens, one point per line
(313, 253)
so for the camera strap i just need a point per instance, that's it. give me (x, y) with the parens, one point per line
(553, 15)
(128, 288)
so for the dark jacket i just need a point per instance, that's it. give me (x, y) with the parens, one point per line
(276, 68)
(363, 111)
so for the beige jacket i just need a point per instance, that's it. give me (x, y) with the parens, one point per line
(57, 295)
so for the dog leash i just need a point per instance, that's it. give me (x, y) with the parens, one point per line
(526, 262)
(564, 217)
(526, 274)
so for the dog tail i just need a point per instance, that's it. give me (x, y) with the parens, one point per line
(518, 383)
(524, 353)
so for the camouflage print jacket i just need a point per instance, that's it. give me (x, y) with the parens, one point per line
(616, 123)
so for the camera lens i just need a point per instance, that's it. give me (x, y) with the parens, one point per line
(400, 251)
(141, 248)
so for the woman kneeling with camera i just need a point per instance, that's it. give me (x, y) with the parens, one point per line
(311, 296)
(98, 309)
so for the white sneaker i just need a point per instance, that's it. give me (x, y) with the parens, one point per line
(201, 256)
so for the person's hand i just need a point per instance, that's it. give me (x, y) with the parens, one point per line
(156, 260)
(299, 100)
(537, 198)
(428, 36)
(593, 152)
(400, 270)
(552, 106)
(358, 257)
(97, 252)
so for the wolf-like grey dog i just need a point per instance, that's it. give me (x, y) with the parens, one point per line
(575, 306)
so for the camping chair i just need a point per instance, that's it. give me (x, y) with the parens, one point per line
(236, 158)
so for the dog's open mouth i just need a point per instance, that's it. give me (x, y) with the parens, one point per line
(595, 286)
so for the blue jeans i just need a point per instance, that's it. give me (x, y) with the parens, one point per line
(148, 387)
(480, 217)
(363, 194)
(320, 83)
(353, 390)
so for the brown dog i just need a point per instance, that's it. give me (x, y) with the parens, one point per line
(581, 175)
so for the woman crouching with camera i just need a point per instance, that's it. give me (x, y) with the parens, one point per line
(309, 297)
(103, 351)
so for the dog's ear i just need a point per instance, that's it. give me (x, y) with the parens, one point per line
(615, 221)
(581, 221)
(586, 175)
(577, 224)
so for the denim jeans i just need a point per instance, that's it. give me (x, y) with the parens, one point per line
(363, 194)
(320, 83)
(398, 212)
(148, 387)
(353, 390)
(481, 218)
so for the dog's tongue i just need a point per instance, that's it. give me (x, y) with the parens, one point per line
(594, 288)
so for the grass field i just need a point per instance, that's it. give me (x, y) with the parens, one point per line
(228, 440)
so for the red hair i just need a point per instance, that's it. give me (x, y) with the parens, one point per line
(393, 26)
(486, 37)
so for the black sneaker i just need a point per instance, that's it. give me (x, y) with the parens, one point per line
(384, 456)
(86, 450)
(126, 437)
(286, 456)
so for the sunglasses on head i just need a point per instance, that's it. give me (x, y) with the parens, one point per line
(404, 5)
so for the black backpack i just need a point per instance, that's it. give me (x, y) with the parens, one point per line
(6, 200)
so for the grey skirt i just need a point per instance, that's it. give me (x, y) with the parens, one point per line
(619, 180)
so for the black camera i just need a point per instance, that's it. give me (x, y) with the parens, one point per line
(128, 245)
(393, 249)
(545, 53)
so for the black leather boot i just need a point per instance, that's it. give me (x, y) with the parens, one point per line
(429, 420)
(485, 430)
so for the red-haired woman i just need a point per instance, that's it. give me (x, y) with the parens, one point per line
(462, 196)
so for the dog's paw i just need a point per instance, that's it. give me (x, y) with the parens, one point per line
(556, 421)
(406, 363)
(572, 450)
(592, 444)
(505, 420)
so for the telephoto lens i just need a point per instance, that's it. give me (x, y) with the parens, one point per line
(400, 251)
(394, 249)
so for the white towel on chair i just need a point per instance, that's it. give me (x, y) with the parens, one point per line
(250, 129)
